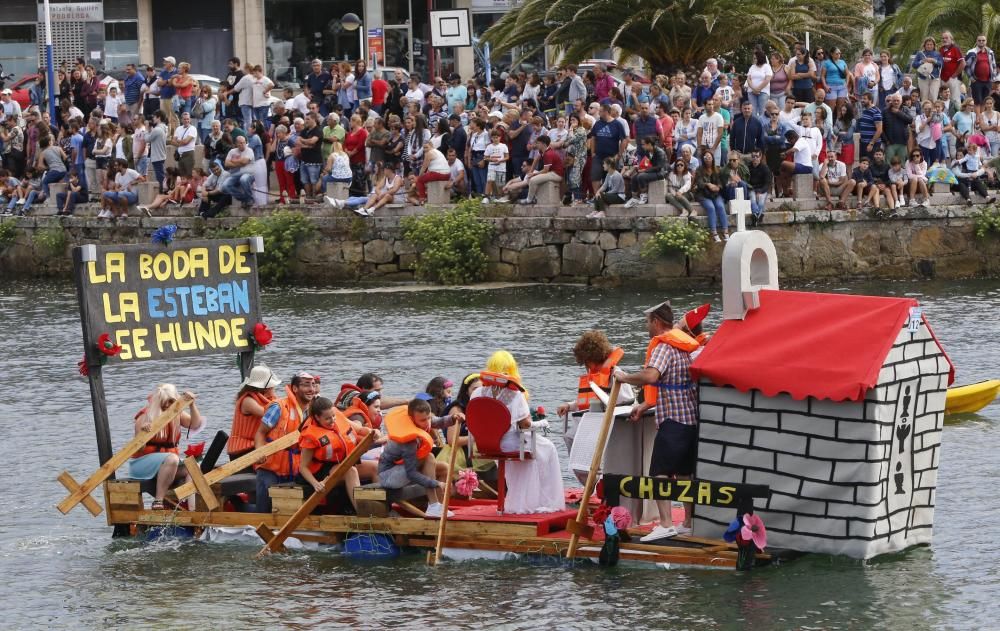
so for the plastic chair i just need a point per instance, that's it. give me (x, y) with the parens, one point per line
(488, 420)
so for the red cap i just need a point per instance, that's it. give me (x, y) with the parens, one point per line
(695, 316)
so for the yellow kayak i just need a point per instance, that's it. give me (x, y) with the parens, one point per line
(971, 398)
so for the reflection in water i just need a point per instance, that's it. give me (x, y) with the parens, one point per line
(66, 571)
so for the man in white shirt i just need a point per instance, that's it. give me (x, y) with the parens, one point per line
(300, 102)
(456, 174)
(710, 131)
(116, 201)
(11, 108)
(801, 163)
(833, 179)
(239, 163)
(184, 140)
(616, 113)
(806, 130)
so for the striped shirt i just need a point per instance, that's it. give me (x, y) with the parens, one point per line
(676, 398)
(866, 124)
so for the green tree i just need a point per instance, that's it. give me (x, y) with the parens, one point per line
(671, 34)
(904, 32)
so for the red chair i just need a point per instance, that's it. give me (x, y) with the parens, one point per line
(488, 420)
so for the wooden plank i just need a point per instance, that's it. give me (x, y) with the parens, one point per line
(200, 483)
(123, 487)
(74, 488)
(338, 473)
(235, 466)
(580, 527)
(267, 535)
(295, 493)
(285, 505)
(121, 457)
(436, 558)
(314, 538)
(375, 495)
(122, 499)
(413, 509)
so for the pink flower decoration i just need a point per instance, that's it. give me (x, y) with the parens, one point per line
(753, 530)
(621, 518)
(467, 483)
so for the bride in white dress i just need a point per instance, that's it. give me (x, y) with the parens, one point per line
(534, 485)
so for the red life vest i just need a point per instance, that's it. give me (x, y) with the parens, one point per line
(285, 463)
(674, 337)
(329, 444)
(601, 376)
(402, 429)
(245, 425)
(165, 441)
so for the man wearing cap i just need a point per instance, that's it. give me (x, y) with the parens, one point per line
(282, 417)
(668, 388)
(167, 90)
(11, 108)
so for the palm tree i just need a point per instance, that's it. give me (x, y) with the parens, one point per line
(670, 33)
(904, 32)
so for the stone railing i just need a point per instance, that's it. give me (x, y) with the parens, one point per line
(551, 244)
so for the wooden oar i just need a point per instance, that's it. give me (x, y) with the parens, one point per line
(435, 557)
(579, 527)
(275, 542)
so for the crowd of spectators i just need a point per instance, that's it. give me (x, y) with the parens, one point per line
(603, 138)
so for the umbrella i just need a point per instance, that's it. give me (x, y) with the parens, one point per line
(941, 175)
(979, 139)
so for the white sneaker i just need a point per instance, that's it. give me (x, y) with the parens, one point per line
(104, 214)
(361, 210)
(20, 202)
(434, 511)
(501, 200)
(660, 533)
(716, 238)
(643, 198)
(631, 203)
(336, 203)
(902, 201)
(682, 531)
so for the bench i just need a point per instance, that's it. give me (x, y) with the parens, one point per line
(374, 501)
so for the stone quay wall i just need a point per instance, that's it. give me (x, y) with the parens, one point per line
(550, 244)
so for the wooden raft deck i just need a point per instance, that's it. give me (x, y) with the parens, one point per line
(476, 527)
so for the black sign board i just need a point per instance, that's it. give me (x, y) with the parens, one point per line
(705, 492)
(176, 300)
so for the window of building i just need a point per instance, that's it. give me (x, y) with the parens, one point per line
(121, 44)
(301, 30)
(17, 49)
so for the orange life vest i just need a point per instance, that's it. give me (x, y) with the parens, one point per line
(674, 337)
(285, 463)
(345, 389)
(328, 444)
(165, 441)
(702, 339)
(358, 406)
(245, 425)
(402, 429)
(601, 376)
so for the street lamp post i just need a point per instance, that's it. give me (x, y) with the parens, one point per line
(351, 22)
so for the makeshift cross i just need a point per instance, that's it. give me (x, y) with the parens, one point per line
(740, 207)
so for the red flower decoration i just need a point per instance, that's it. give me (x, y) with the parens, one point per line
(83, 367)
(106, 346)
(600, 514)
(262, 335)
(195, 450)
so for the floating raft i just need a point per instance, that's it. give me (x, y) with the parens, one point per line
(476, 529)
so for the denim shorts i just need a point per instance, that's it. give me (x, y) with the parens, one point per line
(310, 173)
(118, 196)
(836, 92)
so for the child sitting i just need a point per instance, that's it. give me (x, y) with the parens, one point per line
(327, 439)
(898, 180)
(406, 458)
(25, 193)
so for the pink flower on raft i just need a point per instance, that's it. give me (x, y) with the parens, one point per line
(467, 483)
(753, 530)
(621, 518)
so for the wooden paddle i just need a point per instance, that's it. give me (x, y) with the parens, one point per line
(435, 557)
(579, 527)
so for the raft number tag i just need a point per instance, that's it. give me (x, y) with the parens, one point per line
(704, 492)
(916, 314)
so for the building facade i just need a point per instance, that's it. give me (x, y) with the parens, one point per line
(283, 35)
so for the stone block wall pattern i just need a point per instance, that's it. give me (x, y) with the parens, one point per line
(854, 478)
(542, 244)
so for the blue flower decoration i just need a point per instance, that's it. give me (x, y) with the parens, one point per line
(164, 234)
(609, 527)
(732, 531)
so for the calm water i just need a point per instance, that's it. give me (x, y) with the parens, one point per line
(66, 572)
